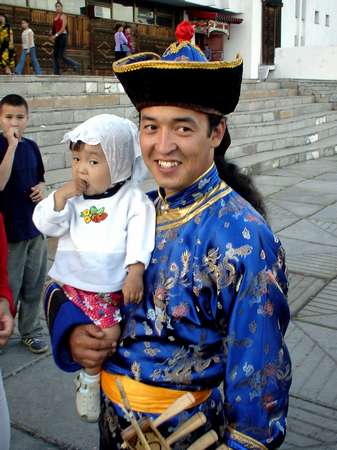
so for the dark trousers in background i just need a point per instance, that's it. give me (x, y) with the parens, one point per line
(60, 45)
(119, 55)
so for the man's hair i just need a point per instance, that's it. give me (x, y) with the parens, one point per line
(59, 3)
(25, 20)
(14, 100)
(242, 183)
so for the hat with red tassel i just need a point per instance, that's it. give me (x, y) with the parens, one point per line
(181, 77)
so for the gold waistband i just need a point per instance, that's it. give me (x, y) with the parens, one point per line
(145, 397)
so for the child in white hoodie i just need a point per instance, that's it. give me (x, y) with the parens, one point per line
(106, 229)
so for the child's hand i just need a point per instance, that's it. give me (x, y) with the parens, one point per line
(6, 322)
(133, 287)
(72, 188)
(12, 136)
(37, 193)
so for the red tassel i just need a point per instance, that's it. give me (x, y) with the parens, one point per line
(184, 31)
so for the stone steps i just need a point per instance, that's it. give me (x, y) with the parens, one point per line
(311, 120)
(261, 162)
(277, 122)
(270, 143)
(261, 104)
(265, 116)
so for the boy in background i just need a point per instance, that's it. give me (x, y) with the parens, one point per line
(28, 48)
(21, 188)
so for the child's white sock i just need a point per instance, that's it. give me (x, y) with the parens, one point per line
(88, 378)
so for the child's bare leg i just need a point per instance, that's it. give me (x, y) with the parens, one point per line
(88, 384)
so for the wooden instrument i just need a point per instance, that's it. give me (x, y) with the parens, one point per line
(143, 434)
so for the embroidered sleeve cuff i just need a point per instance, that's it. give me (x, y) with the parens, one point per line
(142, 257)
(239, 441)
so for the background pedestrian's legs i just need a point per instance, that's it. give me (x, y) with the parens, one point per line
(34, 61)
(63, 45)
(27, 265)
(19, 68)
(4, 418)
(58, 51)
(33, 282)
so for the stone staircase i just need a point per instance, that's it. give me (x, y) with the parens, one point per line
(276, 123)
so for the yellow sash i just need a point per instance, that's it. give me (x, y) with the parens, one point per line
(144, 397)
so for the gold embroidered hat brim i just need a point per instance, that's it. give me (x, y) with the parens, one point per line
(212, 87)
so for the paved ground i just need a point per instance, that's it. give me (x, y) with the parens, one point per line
(302, 201)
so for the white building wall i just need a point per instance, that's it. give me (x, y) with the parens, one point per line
(311, 63)
(302, 31)
(245, 38)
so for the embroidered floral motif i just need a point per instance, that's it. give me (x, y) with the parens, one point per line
(180, 311)
(94, 215)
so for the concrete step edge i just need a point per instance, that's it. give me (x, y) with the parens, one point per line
(326, 146)
(296, 133)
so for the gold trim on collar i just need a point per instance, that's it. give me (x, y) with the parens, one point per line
(249, 442)
(176, 47)
(164, 199)
(174, 217)
(119, 67)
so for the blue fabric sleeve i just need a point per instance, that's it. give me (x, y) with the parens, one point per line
(62, 316)
(258, 368)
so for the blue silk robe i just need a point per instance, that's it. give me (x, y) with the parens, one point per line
(214, 314)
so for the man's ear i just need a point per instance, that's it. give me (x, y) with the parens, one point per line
(218, 133)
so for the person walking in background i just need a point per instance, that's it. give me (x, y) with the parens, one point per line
(28, 48)
(7, 54)
(21, 188)
(208, 52)
(7, 313)
(128, 34)
(59, 35)
(121, 43)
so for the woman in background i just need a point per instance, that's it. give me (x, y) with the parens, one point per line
(121, 43)
(128, 34)
(59, 35)
(7, 54)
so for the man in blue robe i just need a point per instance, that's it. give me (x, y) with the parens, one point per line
(214, 312)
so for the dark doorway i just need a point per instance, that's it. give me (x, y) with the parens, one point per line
(271, 29)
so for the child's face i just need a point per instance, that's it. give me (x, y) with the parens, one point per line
(90, 165)
(24, 25)
(13, 117)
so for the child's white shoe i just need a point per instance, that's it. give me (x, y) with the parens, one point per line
(87, 396)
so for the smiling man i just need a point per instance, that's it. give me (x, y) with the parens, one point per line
(214, 311)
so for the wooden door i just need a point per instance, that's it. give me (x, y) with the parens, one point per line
(271, 30)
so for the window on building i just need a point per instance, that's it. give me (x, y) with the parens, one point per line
(304, 9)
(164, 18)
(296, 40)
(144, 15)
(317, 17)
(70, 6)
(302, 41)
(327, 20)
(297, 9)
(14, 3)
(122, 10)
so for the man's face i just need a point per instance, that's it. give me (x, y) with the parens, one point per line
(176, 145)
(13, 117)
